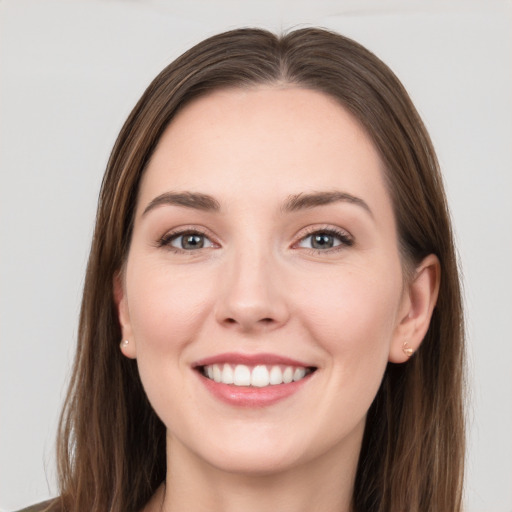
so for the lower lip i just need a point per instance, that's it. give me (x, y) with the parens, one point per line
(248, 396)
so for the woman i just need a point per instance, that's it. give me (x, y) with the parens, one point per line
(271, 314)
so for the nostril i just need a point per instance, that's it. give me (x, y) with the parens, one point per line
(263, 320)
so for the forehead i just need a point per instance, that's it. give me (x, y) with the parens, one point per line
(264, 142)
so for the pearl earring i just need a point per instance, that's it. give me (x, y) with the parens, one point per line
(124, 344)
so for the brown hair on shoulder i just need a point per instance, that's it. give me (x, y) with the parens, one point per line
(111, 445)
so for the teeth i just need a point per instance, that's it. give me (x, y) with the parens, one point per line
(299, 373)
(242, 375)
(258, 376)
(288, 375)
(276, 375)
(227, 374)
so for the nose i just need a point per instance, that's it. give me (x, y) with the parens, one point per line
(251, 296)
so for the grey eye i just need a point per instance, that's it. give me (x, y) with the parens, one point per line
(321, 240)
(191, 241)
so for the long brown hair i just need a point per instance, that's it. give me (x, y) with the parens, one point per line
(111, 445)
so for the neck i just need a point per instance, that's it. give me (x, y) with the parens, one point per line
(324, 484)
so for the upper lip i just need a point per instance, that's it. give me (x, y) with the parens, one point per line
(250, 360)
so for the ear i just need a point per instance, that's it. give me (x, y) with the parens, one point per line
(418, 302)
(128, 347)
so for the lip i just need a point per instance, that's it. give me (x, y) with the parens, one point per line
(250, 360)
(249, 396)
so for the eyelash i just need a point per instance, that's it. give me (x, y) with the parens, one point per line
(166, 240)
(345, 239)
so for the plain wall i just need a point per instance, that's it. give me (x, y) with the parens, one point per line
(70, 73)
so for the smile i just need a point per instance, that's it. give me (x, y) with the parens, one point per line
(259, 376)
(253, 380)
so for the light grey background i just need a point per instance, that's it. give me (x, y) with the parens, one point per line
(70, 73)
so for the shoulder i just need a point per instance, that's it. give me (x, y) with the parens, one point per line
(45, 506)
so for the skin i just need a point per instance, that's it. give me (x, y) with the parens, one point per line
(258, 287)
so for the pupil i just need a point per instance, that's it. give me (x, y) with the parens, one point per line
(192, 242)
(322, 241)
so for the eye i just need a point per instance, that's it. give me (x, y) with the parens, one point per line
(325, 239)
(186, 241)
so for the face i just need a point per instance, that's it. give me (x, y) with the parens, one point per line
(263, 292)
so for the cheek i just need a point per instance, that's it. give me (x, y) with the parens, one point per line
(167, 310)
(352, 316)
(352, 304)
(166, 307)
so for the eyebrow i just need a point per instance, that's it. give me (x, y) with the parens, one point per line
(193, 200)
(294, 203)
(306, 201)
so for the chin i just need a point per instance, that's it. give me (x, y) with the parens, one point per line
(244, 451)
(254, 463)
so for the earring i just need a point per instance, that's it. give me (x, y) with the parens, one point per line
(124, 344)
(407, 350)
